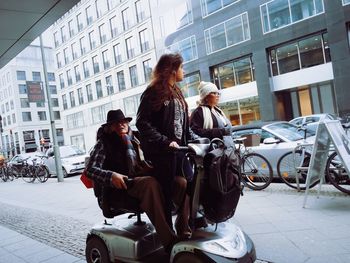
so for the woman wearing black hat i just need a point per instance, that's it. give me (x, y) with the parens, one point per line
(162, 120)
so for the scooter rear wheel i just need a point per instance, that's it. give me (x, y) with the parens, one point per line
(186, 257)
(96, 251)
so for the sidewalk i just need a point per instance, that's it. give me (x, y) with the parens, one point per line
(281, 229)
(18, 248)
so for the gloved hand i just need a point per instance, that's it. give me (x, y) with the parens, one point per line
(227, 130)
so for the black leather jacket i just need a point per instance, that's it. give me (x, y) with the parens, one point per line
(157, 127)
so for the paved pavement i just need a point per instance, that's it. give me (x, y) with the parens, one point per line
(49, 222)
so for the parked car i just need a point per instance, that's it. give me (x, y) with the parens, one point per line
(311, 121)
(16, 162)
(72, 158)
(276, 139)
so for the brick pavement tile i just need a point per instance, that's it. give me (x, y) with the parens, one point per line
(7, 257)
(12, 239)
(344, 258)
(63, 258)
(44, 255)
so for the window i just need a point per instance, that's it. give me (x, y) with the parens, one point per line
(64, 101)
(83, 46)
(99, 91)
(95, 64)
(71, 28)
(12, 105)
(103, 35)
(75, 120)
(210, 6)
(89, 15)
(130, 48)
(42, 115)
(51, 76)
(187, 48)
(61, 78)
(229, 33)
(144, 40)
(92, 40)
(21, 75)
(78, 140)
(101, 7)
(66, 56)
(304, 53)
(142, 11)
(105, 59)
(133, 76)
(26, 116)
(58, 59)
(22, 89)
(280, 13)
(109, 85)
(126, 21)
(99, 113)
(121, 80)
(40, 104)
(55, 39)
(54, 102)
(234, 72)
(346, 2)
(86, 69)
(189, 85)
(72, 99)
(56, 115)
(80, 96)
(13, 118)
(80, 22)
(112, 3)
(117, 54)
(131, 104)
(77, 73)
(53, 89)
(75, 50)
(24, 103)
(63, 34)
(69, 77)
(147, 70)
(89, 92)
(114, 26)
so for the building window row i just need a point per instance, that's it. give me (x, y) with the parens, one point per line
(7, 121)
(129, 17)
(75, 120)
(280, 13)
(186, 47)
(210, 6)
(131, 50)
(99, 113)
(300, 54)
(230, 32)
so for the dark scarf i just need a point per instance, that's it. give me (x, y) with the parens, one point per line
(131, 156)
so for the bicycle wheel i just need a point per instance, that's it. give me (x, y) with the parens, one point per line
(41, 173)
(288, 171)
(27, 175)
(3, 174)
(9, 173)
(257, 171)
(336, 173)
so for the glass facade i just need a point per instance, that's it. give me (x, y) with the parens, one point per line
(232, 73)
(210, 6)
(228, 33)
(186, 47)
(346, 2)
(280, 13)
(189, 85)
(300, 54)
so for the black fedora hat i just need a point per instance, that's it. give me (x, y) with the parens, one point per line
(116, 116)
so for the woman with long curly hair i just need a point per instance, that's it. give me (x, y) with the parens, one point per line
(163, 123)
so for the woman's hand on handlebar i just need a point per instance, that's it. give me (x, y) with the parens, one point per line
(173, 145)
(118, 180)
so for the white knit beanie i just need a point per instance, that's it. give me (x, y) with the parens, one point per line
(205, 88)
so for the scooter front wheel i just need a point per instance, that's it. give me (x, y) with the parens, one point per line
(96, 251)
(186, 257)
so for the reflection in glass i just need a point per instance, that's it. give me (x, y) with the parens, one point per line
(311, 52)
(186, 47)
(288, 59)
(189, 86)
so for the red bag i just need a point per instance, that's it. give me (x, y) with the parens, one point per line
(86, 180)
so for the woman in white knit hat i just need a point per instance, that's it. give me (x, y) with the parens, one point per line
(208, 120)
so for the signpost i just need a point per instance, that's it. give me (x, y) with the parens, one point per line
(328, 133)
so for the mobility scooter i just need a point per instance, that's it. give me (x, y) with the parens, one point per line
(119, 240)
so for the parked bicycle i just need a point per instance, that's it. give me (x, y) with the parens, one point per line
(256, 170)
(292, 167)
(5, 171)
(337, 174)
(36, 170)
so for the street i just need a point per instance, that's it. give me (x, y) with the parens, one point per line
(61, 214)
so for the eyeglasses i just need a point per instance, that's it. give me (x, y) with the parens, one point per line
(215, 93)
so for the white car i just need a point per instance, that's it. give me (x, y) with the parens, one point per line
(72, 158)
(311, 121)
(276, 139)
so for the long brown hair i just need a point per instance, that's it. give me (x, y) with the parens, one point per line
(162, 72)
